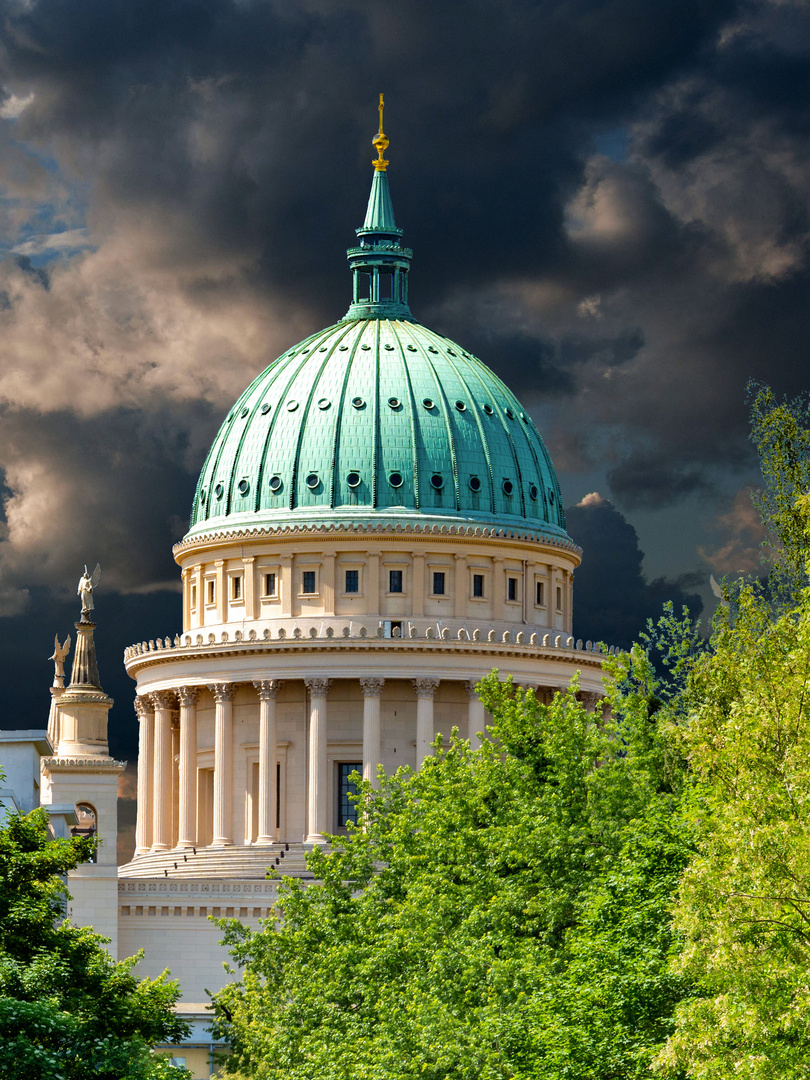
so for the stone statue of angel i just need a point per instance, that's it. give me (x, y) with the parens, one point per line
(87, 583)
(59, 654)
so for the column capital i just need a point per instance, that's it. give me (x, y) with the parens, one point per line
(222, 691)
(187, 695)
(268, 688)
(372, 687)
(162, 699)
(458, 557)
(590, 699)
(425, 688)
(469, 686)
(143, 706)
(248, 559)
(318, 687)
(219, 562)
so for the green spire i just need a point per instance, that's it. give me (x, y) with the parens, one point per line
(380, 264)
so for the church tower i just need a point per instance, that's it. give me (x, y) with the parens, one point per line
(82, 774)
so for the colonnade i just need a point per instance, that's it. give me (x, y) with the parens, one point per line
(167, 757)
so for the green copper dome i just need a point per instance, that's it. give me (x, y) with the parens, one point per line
(378, 420)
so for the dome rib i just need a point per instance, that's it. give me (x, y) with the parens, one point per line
(476, 412)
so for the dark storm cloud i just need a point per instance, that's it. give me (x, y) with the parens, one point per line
(613, 598)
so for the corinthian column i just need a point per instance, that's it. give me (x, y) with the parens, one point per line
(372, 688)
(318, 689)
(476, 716)
(268, 690)
(223, 763)
(163, 703)
(187, 824)
(425, 689)
(146, 742)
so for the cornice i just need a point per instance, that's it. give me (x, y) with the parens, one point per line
(83, 764)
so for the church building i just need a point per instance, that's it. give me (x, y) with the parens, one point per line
(377, 526)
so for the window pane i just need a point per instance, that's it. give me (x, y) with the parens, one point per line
(269, 584)
(309, 581)
(395, 581)
(352, 581)
(511, 588)
(347, 810)
(237, 588)
(559, 598)
(438, 583)
(478, 584)
(539, 593)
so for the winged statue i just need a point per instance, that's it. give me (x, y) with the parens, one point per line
(59, 654)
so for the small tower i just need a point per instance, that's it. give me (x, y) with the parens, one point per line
(81, 773)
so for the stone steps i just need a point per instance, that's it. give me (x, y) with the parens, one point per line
(231, 862)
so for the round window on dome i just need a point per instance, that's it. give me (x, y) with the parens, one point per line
(275, 484)
(322, 348)
(394, 402)
(365, 348)
(533, 491)
(312, 481)
(353, 479)
(244, 487)
(203, 495)
(432, 348)
(389, 348)
(244, 412)
(550, 495)
(437, 480)
(460, 406)
(395, 479)
(324, 403)
(343, 348)
(428, 403)
(488, 408)
(451, 352)
(475, 483)
(509, 413)
(266, 408)
(292, 406)
(508, 487)
(306, 349)
(358, 403)
(219, 491)
(411, 348)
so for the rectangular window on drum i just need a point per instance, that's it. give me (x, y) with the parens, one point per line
(352, 581)
(559, 598)
(438, 583)
(211, 591)
(511, 588)
(193, 596)
(347, 810)
(236, 587)
(539, 597)
(478, 584)
(395, 581)
(308, 581)
(269, 584)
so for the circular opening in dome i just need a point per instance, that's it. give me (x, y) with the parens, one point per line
(322, 348)
(266, 408)
(451, 352)
(244, 487)
(428, 403)
(475, 483)
(395, 479)
(390, 348)
(394, 402)
(432, 348)
(324, 403)
(488, 409)
(244, 412)
(365, 348)
(203, 495)
(312, 481)
(523, 416)
(533, 491)
(306, 349)
(437, 480)
(353, 479)
(550, 495)
(219, 491)
(508, 487)
(509, 413)
(292, 406)
(343, 348)
(411, 348)
(358, 403)
(460, 406)
(275, 483)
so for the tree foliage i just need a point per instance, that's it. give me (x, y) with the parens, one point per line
(497, 916)
(68, 1011)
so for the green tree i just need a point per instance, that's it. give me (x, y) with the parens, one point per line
(744, 900)
(502, 913)
(68, 1011)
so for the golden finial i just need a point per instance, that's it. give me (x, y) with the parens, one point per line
(379, 142)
